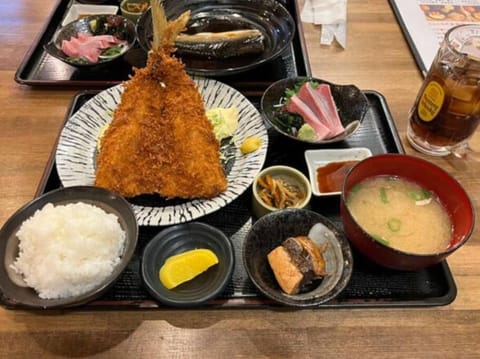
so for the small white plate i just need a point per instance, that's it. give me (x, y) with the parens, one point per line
(76, 11)
(321, 158)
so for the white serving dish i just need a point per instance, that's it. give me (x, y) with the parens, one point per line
(77, 10)
(321, 158)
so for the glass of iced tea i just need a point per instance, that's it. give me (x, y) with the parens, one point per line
(446, 112)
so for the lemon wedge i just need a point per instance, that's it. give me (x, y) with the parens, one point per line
(185, 266)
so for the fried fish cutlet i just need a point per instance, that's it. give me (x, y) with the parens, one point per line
(160, 140)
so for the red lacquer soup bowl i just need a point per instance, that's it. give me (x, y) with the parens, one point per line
(429, 176)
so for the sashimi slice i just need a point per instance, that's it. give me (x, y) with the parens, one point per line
(321, 108)
(89, 47)
(328, 102)
(296, 105)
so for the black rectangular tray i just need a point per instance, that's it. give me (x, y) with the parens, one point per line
(38, 68)
(370, 285)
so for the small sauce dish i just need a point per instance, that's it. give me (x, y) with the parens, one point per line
(327, 168)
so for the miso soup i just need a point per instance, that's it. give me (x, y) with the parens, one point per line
(400, 214)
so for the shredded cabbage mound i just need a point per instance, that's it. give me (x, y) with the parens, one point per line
(67, 250)
(224, 121)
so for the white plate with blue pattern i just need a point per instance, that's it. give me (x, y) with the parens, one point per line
(77, 147)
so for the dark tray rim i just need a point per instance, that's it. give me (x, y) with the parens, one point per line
(58, 12)
(259, 302)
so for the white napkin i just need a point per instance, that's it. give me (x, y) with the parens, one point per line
(332, 15)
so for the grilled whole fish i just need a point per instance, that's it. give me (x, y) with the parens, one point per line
(221, 44)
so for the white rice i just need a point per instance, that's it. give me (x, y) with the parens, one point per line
(67, 250)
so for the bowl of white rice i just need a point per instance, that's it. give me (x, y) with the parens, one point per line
(65, 248)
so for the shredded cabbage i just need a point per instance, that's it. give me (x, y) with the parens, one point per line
(224, 121)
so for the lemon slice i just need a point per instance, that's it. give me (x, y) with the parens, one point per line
(185, 266)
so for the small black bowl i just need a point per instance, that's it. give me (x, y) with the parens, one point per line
(268, 16)
(179, 239)
(352, 106)
(115, 25)
(13, 290)
(271, 230)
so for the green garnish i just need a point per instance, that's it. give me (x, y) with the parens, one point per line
(380, 239)
(394, 224)
(113, 51)
(288, 122)
(289, 92)
(355, 188)
(420, 195)
(426, 193)
(383, 195)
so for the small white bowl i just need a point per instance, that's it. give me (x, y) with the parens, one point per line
(320, 158)
(77, 10)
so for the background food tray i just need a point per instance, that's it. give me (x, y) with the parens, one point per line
(370, 285)
(38, 68)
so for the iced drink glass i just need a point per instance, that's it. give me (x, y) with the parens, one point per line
(446, 112)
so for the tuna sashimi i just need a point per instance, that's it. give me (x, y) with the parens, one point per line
(321, 105)
(296, 105)
(89, 47)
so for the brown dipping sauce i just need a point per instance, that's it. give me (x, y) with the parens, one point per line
(330, 177)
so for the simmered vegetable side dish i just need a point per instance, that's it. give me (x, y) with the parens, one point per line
(278, 193)
(136, 7)
(400, 214)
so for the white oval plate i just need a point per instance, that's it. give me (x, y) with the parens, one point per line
(76, 151)
(321, 158)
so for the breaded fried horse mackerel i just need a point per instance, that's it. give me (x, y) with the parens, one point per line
(160, 140)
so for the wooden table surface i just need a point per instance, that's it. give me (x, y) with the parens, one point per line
(376, 58)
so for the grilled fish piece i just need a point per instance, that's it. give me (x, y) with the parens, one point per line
(296, 263)
(221, 44)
